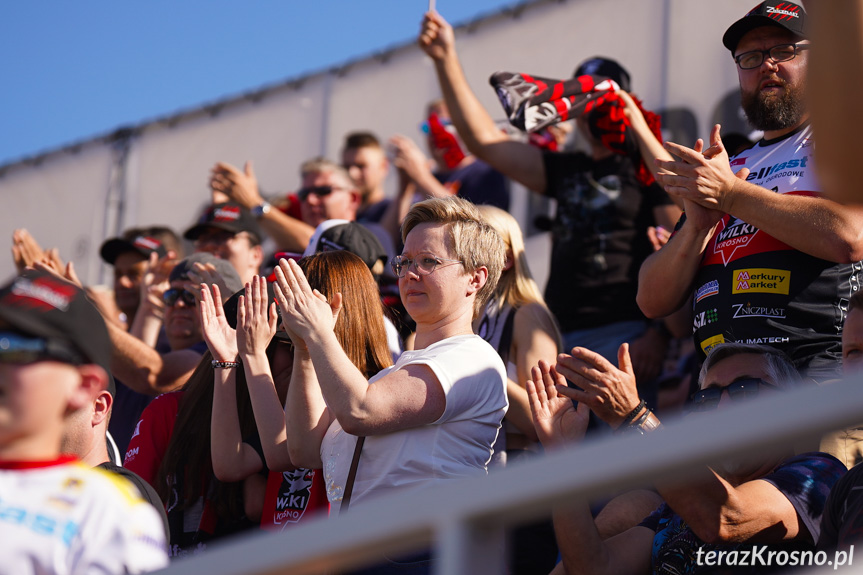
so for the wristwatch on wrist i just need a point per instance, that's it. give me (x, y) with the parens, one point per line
(261, 209)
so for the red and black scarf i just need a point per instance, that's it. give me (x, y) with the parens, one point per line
(532, 104)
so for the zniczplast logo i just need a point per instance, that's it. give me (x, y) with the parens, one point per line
(762, 280)
(750, 310)
(708, 289)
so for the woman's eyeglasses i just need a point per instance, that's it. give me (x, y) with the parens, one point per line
(425, 264)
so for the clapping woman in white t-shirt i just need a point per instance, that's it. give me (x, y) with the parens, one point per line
(434, 415)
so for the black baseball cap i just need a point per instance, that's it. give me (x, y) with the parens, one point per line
(599, 66)
(786, 15)
(40, 305)
(333, 235)
(144, 245)
(226, 216)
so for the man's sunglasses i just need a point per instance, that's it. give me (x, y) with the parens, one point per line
(171, 296)
(741, 389)
(21, 350)
(319, 191)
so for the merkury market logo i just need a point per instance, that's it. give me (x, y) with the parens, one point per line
(762, 280)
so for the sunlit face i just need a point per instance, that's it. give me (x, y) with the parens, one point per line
(129, 269)
(368, 168)
(237, 248)
(773, 94)
(33, 399)
(446, 291)
(182, 325)
(852, 341)
(342, 203)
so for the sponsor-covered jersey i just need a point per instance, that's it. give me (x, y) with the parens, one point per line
(753, 288)
(62, 517)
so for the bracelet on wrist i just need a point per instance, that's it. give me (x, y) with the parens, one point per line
(224, 364)
(632, 414)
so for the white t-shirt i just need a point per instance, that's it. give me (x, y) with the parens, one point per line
(457, 445)
(62, 517)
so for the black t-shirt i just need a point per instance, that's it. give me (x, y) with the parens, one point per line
(599, 238)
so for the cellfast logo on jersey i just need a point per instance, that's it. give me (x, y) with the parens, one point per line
(761, 280)
(789, 169)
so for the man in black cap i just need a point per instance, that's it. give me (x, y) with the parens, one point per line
(765, 257)
(231, 232)
(61, 516)
(599, 234)
(130, 257)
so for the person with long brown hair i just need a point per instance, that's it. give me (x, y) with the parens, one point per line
(434, 415)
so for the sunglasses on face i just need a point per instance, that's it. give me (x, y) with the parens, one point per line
(21, 350)
(741, 389)
(171, 296)
(320, 191)
(425, 264)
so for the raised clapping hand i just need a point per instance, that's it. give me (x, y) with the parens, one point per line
(304, 311)
(703, 177)
(556, 421)
(610, 392)
(221, 338)
(240, 187)
(255, 326)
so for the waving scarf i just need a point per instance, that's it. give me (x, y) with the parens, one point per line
(532, 104)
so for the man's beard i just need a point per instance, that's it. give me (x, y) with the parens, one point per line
(767, 112)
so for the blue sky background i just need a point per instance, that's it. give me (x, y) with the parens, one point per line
(74, 70)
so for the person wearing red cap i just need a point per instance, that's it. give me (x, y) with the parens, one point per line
(765, 257)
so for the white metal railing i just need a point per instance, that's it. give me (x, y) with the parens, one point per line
(464, 522)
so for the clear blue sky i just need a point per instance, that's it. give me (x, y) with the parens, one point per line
(74, 70)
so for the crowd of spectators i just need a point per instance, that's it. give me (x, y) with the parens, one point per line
(398, 341)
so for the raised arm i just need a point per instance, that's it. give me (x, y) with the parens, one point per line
(517, 160)
(405, 398)
(535, 338)
(716, 510)
(256, 326)
(813, 225)
(290, 234)
(307, 416)
(559, 424)
(659, 293)
(232, 459)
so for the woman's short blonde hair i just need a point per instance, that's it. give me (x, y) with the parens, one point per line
(472, 240)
